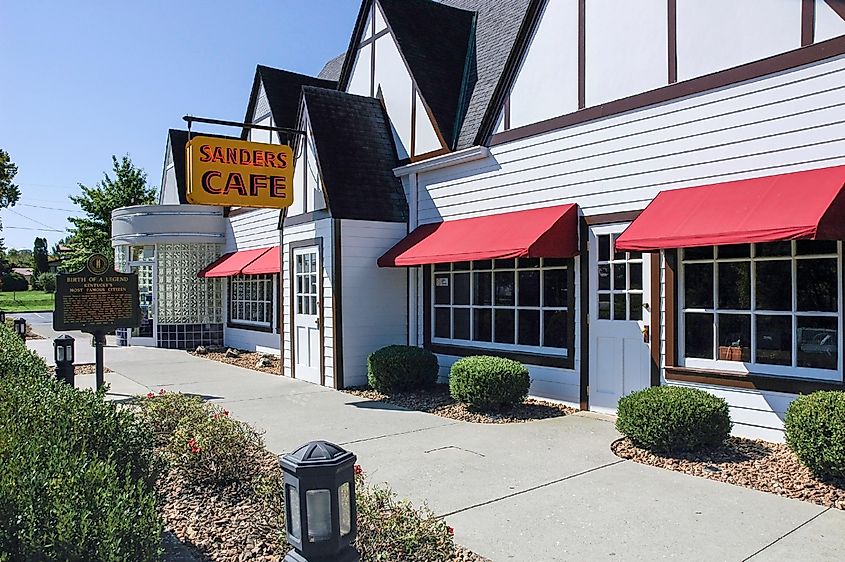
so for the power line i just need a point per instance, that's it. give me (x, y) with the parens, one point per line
(32, 228)
(28, 218)
(48, 208)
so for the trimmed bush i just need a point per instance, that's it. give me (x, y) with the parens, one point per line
(399, 367)
(46, 282)
(164, 411)
(674, 419)
(78, 474)
(12, 281)
(487, 383)
(815, 432)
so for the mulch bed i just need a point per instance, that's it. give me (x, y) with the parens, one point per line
(88, 369)
(438, 401)
(246, 359)
(764, 466)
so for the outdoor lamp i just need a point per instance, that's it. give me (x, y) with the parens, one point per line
(2, 317)
(20, 328)
(321, 520)
(63, 354)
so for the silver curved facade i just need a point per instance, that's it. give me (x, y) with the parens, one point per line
(168, 224)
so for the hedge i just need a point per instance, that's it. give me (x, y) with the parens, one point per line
(399, 367)
(485, 382)
(815, 431)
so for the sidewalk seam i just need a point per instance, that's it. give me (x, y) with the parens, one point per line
(396, 434)
(532, 489)
(807, 522)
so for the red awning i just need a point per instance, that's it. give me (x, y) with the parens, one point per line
(551, 232)
(798, 206)
(269, 262)
(233, 263)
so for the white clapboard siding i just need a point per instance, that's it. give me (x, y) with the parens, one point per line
(256, 228)
(308, 231)
(374, 299)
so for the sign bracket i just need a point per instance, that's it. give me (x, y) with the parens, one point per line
(192, 119)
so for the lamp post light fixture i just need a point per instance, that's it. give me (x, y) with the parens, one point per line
(2, 317)
(63, 354)
(321, 519)
(20, 328)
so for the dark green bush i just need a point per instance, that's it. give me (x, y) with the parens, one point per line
(78, 473)
(163, 412)
(815, 431)
(12, 281)
(485, 382)
(674, 419)
(399, 367)
(46, 282)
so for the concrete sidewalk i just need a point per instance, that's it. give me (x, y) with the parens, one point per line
(542, 491)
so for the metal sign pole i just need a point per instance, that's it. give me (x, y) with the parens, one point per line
(99, 343)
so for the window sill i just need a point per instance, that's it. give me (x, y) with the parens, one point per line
(558, 361)
(750, 381)
(250, 327)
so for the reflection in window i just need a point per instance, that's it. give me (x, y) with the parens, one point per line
(620, 282)
(251, 299)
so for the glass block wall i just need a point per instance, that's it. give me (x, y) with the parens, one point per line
(184, 298)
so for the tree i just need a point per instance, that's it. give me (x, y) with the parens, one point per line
(92, 233)
(9, 192)
(39, 256)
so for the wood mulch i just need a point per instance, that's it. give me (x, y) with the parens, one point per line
(438, 401)
(245, 359)
(88, 369)
(756, 464)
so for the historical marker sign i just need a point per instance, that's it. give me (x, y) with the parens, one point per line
(96, 299)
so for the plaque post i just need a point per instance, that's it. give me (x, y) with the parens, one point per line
(99, 343)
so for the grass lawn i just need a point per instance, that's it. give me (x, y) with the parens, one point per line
(26, 301)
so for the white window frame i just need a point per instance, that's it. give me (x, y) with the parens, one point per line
(493, 344)
(751, 367)
(269, 282)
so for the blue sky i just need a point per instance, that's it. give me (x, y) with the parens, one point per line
(83, 80)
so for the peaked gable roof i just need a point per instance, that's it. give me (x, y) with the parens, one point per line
(333, 68)
(177, 139)
(283, 89)
(356, 156)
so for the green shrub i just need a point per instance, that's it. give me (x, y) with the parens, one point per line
(815, 431)
(215, 448)
(12, 281)
(399, 367)
(78, 473)
(485, 382)
(674, 419)
(46, 282)
(164, 411)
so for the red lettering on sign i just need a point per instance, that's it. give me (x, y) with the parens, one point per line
(235, 182)
(256, 182)
(217, 155)
(205, 152)
(278, 187)
(283, 160)
(206, 182)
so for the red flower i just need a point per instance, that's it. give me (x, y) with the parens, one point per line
(358, 470)
(150, 395)
(225, 412)
(162, 391)
(451, 531)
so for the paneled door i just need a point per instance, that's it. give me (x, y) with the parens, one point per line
(308, 346)
(620, 330)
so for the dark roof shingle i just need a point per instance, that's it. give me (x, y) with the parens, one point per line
(356, 155)
(332, 69)
(177, 139)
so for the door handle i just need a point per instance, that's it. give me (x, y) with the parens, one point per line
(646, 334)
(317, 322)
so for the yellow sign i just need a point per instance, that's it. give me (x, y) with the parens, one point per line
(236, 173)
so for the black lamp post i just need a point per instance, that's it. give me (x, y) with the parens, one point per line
(20, 328)
(63, 354)
(2, 317)
(321, 519)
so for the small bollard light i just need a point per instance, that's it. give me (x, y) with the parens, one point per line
(2, 317)
(63, 354)
(321, 519)
(20, 328)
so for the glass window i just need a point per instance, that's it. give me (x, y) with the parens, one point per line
(251, 300)
(520, 304)
(620, 282)
(773, 307)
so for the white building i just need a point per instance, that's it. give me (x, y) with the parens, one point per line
(470, 164)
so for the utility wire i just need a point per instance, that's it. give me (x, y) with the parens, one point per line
(29, 218)
(48, 208)
(32, 228)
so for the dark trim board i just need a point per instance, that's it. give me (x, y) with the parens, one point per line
(671, 312)
(584, 266)
(672, 46)
(610, 218)
(751, 381)
(750, 71)
(808, 22)
(304, 218)
(291, 293)
(654, 320)
(337, 305)
(582, 55)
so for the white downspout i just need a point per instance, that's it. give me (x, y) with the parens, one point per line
(413, 272)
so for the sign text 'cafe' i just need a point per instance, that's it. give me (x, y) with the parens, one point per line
(236, 173)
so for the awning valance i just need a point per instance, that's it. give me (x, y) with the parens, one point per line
(267, 263)
(798, 206)
(234, 263)
(551, 232)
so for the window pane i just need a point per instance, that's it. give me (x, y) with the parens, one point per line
(299, 305)
(461, 288)
(461, 266)
(441, 322)
(505, 264)
(635, 271)
(442, 291)
(483, 288)
(554, 322)
(735, 285)
(555, 291)
(635, 306)
(774, 340)
(529, 327)
(482, 329)
(619, 277)
(773, 249)
(442, 266)
(818, 343)
(313, 305)
(604, 306)
(555, 262)
(635, 255)
(460, 317)
(698, 285)
(604, 277)
(505, 325)
(774, 285)
(529, 288)
(698, 335)
(483, 264)
(817, 286)
(735, 337)
(815, 247)
(704, 253)
(735, 251)
(617, 255)
(505, 288)
(529, 263)
(604, 247)
(620, 306)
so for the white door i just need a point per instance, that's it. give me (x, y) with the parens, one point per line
(306, 305)
(619, 320)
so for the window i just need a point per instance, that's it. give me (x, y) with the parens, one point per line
(251, 300)
(768, 308)
(620, 281)
(515, 304)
